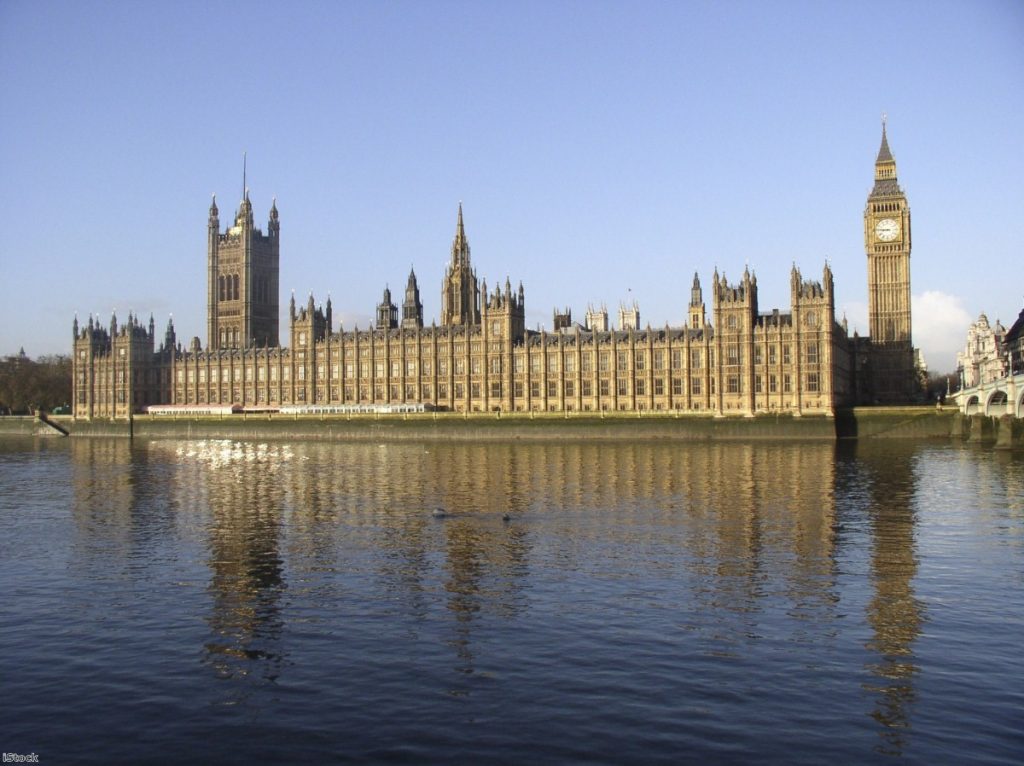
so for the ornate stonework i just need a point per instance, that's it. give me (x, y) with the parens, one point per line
(735, 360)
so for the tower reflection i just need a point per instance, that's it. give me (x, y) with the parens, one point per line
(894, 612)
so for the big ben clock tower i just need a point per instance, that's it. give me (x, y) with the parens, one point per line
(887, 242)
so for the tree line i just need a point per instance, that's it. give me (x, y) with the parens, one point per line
(28, 384)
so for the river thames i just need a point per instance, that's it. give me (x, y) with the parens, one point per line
(248, 602)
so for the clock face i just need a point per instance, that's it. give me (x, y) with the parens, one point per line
(887, 229)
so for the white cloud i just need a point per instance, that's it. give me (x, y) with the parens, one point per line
(940, 324)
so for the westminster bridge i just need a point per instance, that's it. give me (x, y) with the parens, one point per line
(1002, 396)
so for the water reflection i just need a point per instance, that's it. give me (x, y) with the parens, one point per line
(725, 548)
(894, 613)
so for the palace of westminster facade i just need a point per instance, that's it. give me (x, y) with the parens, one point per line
(735, 360)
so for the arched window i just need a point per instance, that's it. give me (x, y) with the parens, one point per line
(236, 287)
(220, 283)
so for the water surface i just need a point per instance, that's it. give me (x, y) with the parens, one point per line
(246, 602)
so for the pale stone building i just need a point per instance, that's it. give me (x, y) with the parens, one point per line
(734, 360)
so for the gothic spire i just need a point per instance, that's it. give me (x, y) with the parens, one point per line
(884, 155)
(460, 246)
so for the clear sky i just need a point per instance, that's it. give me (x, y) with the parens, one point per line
(603, 152)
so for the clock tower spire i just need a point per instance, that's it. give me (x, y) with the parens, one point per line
(887, 243)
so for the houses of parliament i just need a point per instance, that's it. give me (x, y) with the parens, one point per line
(734, 360)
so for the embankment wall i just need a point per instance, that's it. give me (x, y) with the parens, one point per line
(859, 423)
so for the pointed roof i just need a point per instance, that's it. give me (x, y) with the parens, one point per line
(884, 155)
(460, 246)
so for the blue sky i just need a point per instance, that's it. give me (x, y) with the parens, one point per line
(603, 152)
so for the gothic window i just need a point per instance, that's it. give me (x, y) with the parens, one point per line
(603, 362)
(535, 363)
(220, 287)
(771, 354)
(496, 389)
(235, 291)
(379, 369)
(570, 388)
(812, 382)
(758, 355)
(603, 387)
(496, 365)
(552, 363)
(757, 384)
(695, 385)
(677, 386)
(475, 390)
(732, 384)
(623, 387)
(535, 388)
(732, 322)
(641, 360)
(659, 360)
(812, 319)
(732, 353)
(621, 360)
(785, 354)
(517, 389)
(773, 384)
(695, 358)
(518, 363)
(659, 386)
(552, 389)
(786, 383)
(586, 362)
(570, 362)
(475, 365)
(410, 369)
(812, 353)
(396, 368)
(587, 388)
(641, 386)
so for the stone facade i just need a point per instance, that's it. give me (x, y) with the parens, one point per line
(984, 358)
(891, 376)
(735, 360)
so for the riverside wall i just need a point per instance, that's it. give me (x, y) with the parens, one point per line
(868, 423)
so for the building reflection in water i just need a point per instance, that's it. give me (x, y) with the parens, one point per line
(895, 615)
(727, 541)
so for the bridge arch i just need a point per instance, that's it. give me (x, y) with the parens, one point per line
(971, 408)
(996, 403)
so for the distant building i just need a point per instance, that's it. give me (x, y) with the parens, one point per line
(984, 357)
(737, 360)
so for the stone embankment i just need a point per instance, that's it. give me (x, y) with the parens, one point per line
(859, 423)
